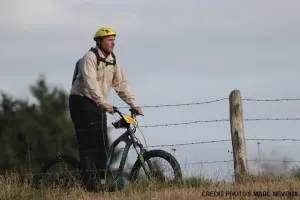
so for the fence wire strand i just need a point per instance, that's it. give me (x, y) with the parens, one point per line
(205, 102)
(225, 140)
(273, 100)
(221, 120)
(215, 101)
(253, 160)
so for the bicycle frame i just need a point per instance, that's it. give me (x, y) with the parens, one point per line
(129, 140)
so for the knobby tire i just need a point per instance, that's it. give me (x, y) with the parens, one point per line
(158, 154)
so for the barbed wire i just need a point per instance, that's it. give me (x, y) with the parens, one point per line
(251, 160)
(270, 139)
(225, 140)
(219, 141)
(273, 100)
(166, 105)
(202, 103)
(186, 123)
(222, 120)
(273, 119)
(189, 143)
(181, 104)
(214, 101)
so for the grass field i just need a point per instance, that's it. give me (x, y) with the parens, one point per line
(257, 187)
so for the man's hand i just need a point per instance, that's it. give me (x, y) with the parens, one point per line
(108, 107)
(139, 110)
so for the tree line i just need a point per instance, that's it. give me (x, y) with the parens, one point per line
(32, 133)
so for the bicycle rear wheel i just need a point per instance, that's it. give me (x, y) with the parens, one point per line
(156, 168)
(71, 177)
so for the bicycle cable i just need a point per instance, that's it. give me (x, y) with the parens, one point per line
(143, 136)
(139, 130)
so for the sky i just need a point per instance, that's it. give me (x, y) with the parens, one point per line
(171, 52)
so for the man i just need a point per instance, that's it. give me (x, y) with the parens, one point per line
(87, 102)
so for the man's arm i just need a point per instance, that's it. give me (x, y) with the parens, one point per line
(89, 74)
(120, 85)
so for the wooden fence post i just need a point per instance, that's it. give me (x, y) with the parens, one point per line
(237, 136)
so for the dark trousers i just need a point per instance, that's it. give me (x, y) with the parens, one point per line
(92, 139)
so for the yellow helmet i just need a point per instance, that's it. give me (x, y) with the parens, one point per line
(103, 32)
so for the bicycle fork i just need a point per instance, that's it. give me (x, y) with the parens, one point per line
(146, 167)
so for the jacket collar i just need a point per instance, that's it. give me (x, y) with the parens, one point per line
(109, 57)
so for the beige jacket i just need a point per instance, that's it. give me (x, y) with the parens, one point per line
(96, 82)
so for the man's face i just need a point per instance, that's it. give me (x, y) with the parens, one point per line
(108, 44)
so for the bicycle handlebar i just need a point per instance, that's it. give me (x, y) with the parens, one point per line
(132, 110)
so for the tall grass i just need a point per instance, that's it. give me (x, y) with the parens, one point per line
(14, 187)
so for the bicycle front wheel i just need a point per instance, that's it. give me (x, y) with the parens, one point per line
(62, 170)
(156, 167)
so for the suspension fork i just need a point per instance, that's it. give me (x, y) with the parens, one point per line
(146, 168)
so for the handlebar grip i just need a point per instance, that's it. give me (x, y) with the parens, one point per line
(134, 111)
(115, 109)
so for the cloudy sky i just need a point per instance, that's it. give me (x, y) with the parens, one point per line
(171, 52)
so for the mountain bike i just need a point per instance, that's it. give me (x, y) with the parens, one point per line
(143, 162)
